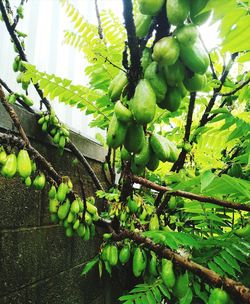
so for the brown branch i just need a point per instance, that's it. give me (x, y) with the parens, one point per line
(110, 62)
(135, 52)
(100, 30)
(192, 196)
(178, 165)
(236, 89)
(13, 116)
(236, 289)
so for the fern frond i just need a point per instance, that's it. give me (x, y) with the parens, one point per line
(73, 95)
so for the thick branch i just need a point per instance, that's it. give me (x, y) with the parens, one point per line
(135, 53)
(193, 196)
(236, 289)
(178, 165)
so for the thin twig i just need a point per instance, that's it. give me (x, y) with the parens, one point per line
(100, 30)
(192, 196)
(236, 89)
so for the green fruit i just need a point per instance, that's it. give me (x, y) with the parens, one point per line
(92, 230)
(75, 208)
(71, 217)
(3, 157)
(167, 273)
(146, 59)
(45, 126)
(174, 74)
(181, 285)
(91, 208)
(62, 191)
(20, 11)
(150, 7)
(86, 236)
(39, 181)
(15, 66)
(76, 224)
(66, 224)
(53, 205)
(160, 147)
(218, 296)
(172, 204)
(12, 98)
(125, 155)
(138, 262)
(153, 162)
(143, 105)
(27, 100)
(24, 163)
(28, 181)
(142, 25)
(10, 167)
(54, 218)
(243, 232)
(62, 142)
(197, 6)
(167, 50)
(172, 99)
(113, 255)
(142, 158)
(195, 83)
(154, 223)
(122, 113)
(52, 192)
(81, 230)
(69, 232)
(116, 133)
(173, 156)
(156, 80)
(137, 169)
(194, 57)
(187, 34)
(134, 138)
(56, 138)
(105, 252)
(63, 210)
(88, 219)
(117, 85)
(177, 11)
(152, 267)
(132, 205)
(124, 255)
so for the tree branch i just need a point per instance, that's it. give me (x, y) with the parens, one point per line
(178, 165)
(236, 289)
(100, 30)
(193, 196)
(236, 89)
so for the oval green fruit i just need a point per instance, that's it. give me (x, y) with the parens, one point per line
(24, 163)
(132, 205)
(172, 99)
(69, 232)
(75, 208)
(86, 236)
(160, 147)
(117, 85)
(116, 133)
(167, 273)
(142, 158)
(218, 296)
(53, 205)
(137, 169)
(146, 58)
(63, 210)
(91, 208)
(138, 261)
(174, 74)
(197, 6)
(10, 167)
(76, 224)
(157, 82)
(142, 25)
(167, 49)
(122, 113)
(39, 181)
(62, 191)
(125, 155)
(134, 138)
(187, 34)
(154, 223)
(177, 11)
(3, 157)
(173, 156)
(143, 105)
(81, 230)
(152, 267)
(52, 192)
(195, 83)
(113, 255)
(124, 255)
(150, 7)
(153, 162)
(195, 57)
(28, 181)
(181, 285)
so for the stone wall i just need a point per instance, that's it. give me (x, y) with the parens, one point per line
(38, 263)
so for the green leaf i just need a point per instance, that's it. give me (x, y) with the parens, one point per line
(187, 299)
(90, 265)
(224, 265)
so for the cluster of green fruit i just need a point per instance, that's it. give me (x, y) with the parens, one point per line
(21, 164)
(11, 98)
(176, 64)
(71, 214)
(55, 128)
(18, 66)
